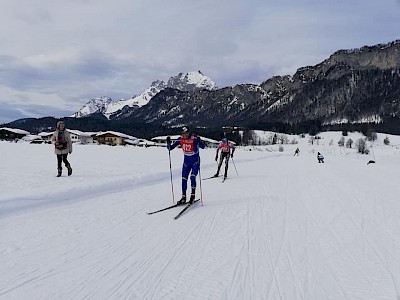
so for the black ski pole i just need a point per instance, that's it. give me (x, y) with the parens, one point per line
(235, 167)
(201, 190)
(170, 172)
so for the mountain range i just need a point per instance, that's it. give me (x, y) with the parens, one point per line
(350, 88)
(191, 81)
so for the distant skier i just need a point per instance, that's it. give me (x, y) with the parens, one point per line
(190, 144)
(63, 146)
(227, 149)
(320, 158)
(296, 152)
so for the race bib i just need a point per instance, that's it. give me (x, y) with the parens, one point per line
(187, 145)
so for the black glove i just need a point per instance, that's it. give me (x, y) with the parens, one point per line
(232, 155)
(168, 140)
(216, 158)
(198, 139)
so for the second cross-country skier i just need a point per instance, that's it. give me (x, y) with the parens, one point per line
(190, 144)
(227, 149)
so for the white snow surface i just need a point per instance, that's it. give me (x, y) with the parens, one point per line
(285, 227)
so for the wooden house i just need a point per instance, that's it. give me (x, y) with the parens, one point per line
(11, 134)
(114, 138)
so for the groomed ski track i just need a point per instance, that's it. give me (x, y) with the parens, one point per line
(286, 228)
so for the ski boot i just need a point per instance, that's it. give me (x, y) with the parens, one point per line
(69, 170)
(191, 200)
(59, 172)
(182, 201)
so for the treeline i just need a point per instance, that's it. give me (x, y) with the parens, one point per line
(240, 135)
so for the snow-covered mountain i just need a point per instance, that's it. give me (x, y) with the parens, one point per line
(190, 81)
(95, 105)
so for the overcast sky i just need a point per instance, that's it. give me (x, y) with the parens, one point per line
(55, 55)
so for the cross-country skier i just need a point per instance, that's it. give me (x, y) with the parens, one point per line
(320, 158)
(297, 152)
(227, 149)
(63, 146)
(190, 144)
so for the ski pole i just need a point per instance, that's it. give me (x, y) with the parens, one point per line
(235, 167)
(170, 171)
(201, 190)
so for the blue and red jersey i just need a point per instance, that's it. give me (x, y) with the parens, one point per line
(190, 147)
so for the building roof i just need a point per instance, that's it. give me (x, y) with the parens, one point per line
(81, 133)
(119, 134)
(44, 134)
(17, 131)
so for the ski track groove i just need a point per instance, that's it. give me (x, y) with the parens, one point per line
(365, 238)
(275, 262)
(210, 289)
(210, 261)
(375, 252)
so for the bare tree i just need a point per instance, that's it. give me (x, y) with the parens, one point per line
(361, 145)
(341, 142)
(349, 143)
(283, 139)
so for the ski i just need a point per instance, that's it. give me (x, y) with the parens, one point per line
(172, 206)
(210, 177)
(186, 207)
(225, 178)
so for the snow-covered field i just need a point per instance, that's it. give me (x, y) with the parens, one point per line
(286, 227)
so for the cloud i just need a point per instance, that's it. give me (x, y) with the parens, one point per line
(71, 51)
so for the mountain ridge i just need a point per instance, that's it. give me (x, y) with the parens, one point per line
(350, 87)
(111, 109)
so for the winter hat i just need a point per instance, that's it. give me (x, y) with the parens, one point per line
(224, 139)
(185, 129)
(59, 123)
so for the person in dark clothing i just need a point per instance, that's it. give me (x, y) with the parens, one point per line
(63, 146)
(227, 149)
(190, 144)
(320, 158)
(297, 152)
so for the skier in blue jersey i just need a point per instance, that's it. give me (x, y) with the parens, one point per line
(190, 144)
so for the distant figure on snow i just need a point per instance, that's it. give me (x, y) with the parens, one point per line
(320, 158)
(190, 144)
(297, 152)
(63, 146)
(227, 149)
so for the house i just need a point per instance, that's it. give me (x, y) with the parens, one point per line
(115, 138)
(46, 136)
(11, 134)
(82, 137)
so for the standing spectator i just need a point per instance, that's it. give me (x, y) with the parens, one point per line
(63, 146)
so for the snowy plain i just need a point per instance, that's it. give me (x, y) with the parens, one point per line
(285, 227)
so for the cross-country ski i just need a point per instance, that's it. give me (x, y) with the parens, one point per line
(186, 208)
(211, 177)
(165, 208)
